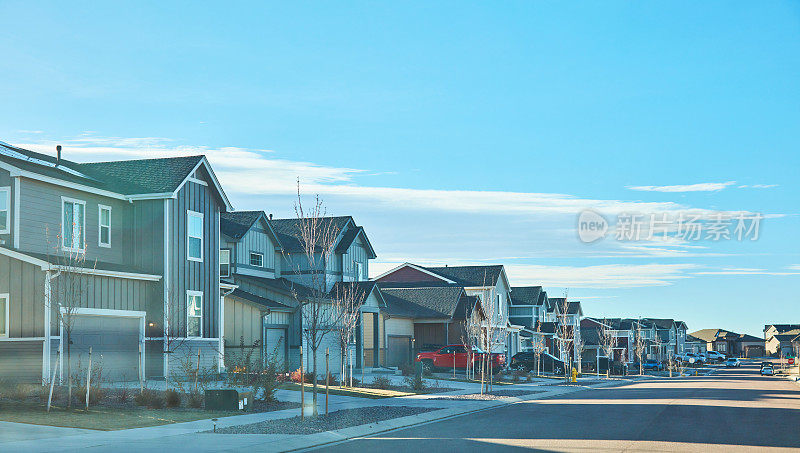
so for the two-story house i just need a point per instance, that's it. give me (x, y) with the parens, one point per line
(121, 257)
(489, 283)
(527, 309)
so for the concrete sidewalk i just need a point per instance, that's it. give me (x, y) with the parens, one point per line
(192, 435)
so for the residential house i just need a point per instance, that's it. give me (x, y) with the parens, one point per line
(694, 345)
(489, 283)
(427, 317)
(731, 343)
(778, 338)
(527, 309)
(567, 317)
(623, 329)
(149, 288)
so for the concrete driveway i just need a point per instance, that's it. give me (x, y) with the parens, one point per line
(733, 409)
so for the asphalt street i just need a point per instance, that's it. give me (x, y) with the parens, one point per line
(730, 410)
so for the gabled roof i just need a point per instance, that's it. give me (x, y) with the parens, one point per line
(236, 224)
(434, 301)
(288, 231)
(258, 300)
(750, 338)
(693, 339)
(126, 178)
(662, 323)
(470, 276)
(359, 291)
(614, 323)
(526, 295)
(782, 328)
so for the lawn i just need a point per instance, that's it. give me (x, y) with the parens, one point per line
(358, 392)
(103, 418)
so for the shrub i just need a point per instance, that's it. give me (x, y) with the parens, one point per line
(308, 377)
(156, 401)
(415, 383)
(172, 398)
(516, 375)
(144, 397)
(382, 382)
(408, 369)
(123, 395)
(17, 391)
(96, 395)
(196, 400)
(265, 382)
(529, 377)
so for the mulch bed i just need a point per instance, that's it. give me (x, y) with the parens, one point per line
(344, 418)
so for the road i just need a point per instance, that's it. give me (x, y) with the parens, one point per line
(731, 410)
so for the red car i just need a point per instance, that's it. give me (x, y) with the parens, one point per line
(458, 353)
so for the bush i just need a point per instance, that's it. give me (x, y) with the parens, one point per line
(529, 377)
(308, 378)
(408, 369)
(144, 397)
(156, 401)
(265, 382)
(17, 391)
(415, 383)
(516, 375)
(96, 395)
(123, 395)
(196, 400)
(172, 398)
(382, 382)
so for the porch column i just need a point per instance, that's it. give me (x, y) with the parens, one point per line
(359, 342)
(376, 340)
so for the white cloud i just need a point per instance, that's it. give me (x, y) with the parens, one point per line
(700, 187)
(746, 271)
(757, 186)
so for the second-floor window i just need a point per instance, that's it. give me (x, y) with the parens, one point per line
(360, 271)
(194, 232)
(73, 224)
(5, 202)
(104, 227)
(256, 259)
(194, 314)
(224, 263)
(4, 309)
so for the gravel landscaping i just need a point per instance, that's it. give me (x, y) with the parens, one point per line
(344, 418)
(495, 395)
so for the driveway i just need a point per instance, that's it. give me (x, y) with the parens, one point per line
(733, 409)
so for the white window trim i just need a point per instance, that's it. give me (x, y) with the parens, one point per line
(250, 260)
(83, 227)
(190, 293)
(7, 191)
(199, 215)
(100, 226)
(7, 314)
(229, 262)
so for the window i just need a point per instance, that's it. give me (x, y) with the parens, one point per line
(224, 263)
(5, 203)
(104, 226)
(499, 305)
(194, 232)
(4, 309)
(360, 271)
(256, 259)
(194, 314)
(73, 224)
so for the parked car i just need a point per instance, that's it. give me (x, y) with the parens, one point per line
(457, 356)
(733, 363)
(715, 356)
(653, 364)
(694, 359)
(527, 362)
(767, 370)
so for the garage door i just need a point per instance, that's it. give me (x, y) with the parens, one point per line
(399, 351)
(275, 345)
(115, 345)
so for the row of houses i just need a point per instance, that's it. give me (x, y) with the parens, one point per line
(658, 338)
(152, 266)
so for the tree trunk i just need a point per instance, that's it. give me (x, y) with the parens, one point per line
(314, 391)
(69, 371)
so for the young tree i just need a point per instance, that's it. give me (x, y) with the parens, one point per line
(493, 334)
(639, 345)
(346, 299)
(68, 279)
(565, 333)
(608, 340)
(316, 236)
(539, 346)
(470, 336)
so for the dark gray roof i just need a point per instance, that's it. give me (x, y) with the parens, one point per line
(262, 301)
(781, 328)
(469, 275)
(749, 338)
(358, 290)
(235, 224)
(59, 260)
(435, 302)
(662, 323)
(573, 307)
(616, 323)
(126, 177)
(282, 285)
(288, 230)
(526, 295)
(590, 336)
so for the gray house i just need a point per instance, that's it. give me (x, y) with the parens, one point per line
(147, 295)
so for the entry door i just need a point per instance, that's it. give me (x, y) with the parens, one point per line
(275, 345)
(399, 351)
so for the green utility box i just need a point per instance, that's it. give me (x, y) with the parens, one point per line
(228, 400)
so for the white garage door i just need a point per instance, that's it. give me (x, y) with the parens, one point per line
(115, 346)
(275, 345)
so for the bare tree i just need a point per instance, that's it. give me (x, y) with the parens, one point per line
(608, 340)
(68, 279)
(639, 345)
(470, 336)
(492, 335)
(565, 333)
(346, 299)
(316, 236)
(539, 347)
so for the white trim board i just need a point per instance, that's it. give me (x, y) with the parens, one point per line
(415, 267)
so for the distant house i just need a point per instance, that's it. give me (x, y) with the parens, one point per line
(624, 331)
(489, 283)
(695, 345)
(730, 343)
(778, 338)
(527, 309)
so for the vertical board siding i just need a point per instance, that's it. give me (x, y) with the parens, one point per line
(7, 181)
(192, 275)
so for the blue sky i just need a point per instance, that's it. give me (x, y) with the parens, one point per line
(460, 132)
